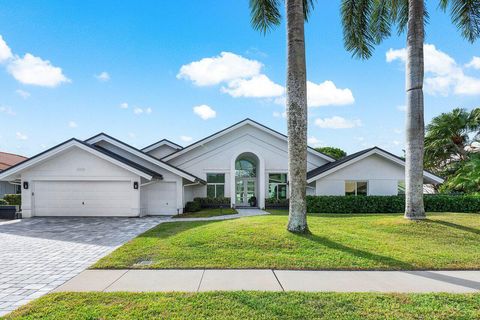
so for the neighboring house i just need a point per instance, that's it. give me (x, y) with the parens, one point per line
(6, 161)
(103, 176)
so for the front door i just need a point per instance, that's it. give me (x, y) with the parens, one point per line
(245, 190)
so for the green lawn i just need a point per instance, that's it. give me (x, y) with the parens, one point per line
(353, 242)
(251, 305)
(206, 213)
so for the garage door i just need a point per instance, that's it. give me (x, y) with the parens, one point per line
(82, 198)
(160, 198)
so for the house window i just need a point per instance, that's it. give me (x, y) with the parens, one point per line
(215, 185)
(401, 187)
(356, 188)
(277, 185)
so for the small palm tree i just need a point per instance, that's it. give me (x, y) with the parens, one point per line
(450, 139)
(266, 15)
(366, 23)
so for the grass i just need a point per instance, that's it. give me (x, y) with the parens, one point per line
(337, 242)
(250, 305)
(206, 213)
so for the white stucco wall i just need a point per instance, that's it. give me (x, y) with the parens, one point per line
(168, 176)
(382, 176)
(76, 164)
(219, 155)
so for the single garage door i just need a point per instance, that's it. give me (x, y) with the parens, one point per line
(82, 198)
(160, 198)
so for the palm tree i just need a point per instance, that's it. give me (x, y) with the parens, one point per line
(451, 138)
(366, 23)
(265, 15)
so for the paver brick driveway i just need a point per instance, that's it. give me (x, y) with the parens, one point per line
(37, 255)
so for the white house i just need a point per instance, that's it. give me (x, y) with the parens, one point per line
(103, 176)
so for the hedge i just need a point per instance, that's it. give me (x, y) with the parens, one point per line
(390, 204)
(192, 206)
(3, 202)
(13, 199)
(276, 203)
(386, 204)
(213, 202)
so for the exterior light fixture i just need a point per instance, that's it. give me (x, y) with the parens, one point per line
(25, 185)
(135, 185)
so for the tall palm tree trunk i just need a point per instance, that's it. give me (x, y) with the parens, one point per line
(415, 128)
(296, 116)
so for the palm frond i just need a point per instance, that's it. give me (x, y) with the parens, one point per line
(357, 30)
(308, 6)
(381, 20)
(465, 16)
(265, 14)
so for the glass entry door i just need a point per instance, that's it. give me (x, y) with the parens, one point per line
(245, 190)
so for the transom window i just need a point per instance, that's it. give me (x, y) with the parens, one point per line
(215, 185)
(356, 188)
(245, 167)
(277, 186)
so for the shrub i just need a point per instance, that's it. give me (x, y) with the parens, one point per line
(13, 199)
(192, 206)
(3, 202)
(276, 203)
(390, 204)
(213, 202)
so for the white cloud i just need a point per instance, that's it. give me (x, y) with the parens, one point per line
(474, 63)
(138, 110)
(324, 94)
(35, 71)
(205, 112)
(443, 74)
(397, 131)
(5, 51)
(7, 110)
(277, 114)
(313, 141)
(327, 94)
(186, 138)
(225, 67)
(402, 108)
(21, 136)
(396, 142)
(103, 76)
(259, 86)
(337, 122)
(132, 135)
(22, 93)
(72, 124)
(124, 105)
(359, 138)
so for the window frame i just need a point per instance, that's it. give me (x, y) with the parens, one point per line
(216, 184)
(356, 187)
(276, 184)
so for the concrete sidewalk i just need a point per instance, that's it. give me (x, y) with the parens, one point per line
(274, 280)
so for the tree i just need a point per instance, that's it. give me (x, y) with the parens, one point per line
(450, 139)
(466, 178)
(366, 23)
(266, 15)
(333, 152)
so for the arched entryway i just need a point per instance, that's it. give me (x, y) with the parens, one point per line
(246, 180)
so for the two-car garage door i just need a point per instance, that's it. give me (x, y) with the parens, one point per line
(82, 198)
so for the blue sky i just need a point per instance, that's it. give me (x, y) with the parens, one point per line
(97, 56)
